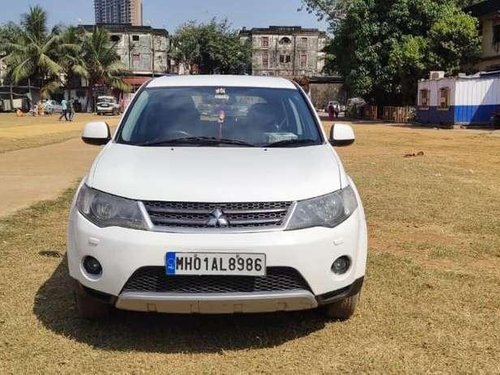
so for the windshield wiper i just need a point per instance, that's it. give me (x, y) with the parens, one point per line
(293, 143)
(198, 141)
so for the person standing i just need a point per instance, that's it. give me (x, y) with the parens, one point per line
(71, 109)
(64, 112)
(331, 111)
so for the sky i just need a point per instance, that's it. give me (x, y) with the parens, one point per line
(169, 14)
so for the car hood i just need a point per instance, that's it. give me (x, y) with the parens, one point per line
(218, 174)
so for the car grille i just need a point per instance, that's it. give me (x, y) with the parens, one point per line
(153, 279)
(200, 215)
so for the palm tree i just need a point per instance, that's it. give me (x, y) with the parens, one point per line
(32, 54)
(102, 63)
(70, 56)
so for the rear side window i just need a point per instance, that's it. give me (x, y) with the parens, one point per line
(257, 116)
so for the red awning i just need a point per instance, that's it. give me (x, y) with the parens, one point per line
(136, 81)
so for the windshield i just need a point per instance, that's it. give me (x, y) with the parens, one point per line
(218, 116)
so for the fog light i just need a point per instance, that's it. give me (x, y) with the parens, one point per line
(92, 266)
(341, 265)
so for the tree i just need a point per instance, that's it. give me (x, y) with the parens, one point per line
(70, 56)
(102, 63)
(213, 47)
(382, 47)
(31, 51)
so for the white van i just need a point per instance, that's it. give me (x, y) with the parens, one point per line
(242, 207)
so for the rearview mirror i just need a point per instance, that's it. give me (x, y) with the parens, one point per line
(342, 135)
(96, 133)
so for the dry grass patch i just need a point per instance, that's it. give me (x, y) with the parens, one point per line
(26, 132)
(430, 303)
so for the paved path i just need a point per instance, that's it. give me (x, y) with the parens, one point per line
(31, 175)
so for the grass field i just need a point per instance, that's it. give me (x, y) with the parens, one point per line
(430, 303)
(26, 132)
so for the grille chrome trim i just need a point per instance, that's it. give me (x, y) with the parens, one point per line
(189, 217)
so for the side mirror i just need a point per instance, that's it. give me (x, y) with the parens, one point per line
(96, 133)
(342, 135)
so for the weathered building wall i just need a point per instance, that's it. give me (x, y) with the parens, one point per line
(142, 49)
(286, 51)
(488, 14)
(138, 51)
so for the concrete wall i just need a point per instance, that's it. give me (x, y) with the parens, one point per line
(322, 93)
(490, 56)
(137, 51)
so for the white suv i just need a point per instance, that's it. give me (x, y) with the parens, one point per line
(107, 105)
(225, 211)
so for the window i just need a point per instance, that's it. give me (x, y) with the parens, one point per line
(265, 42)
(285, 59)
(135, 38)
(444, 98)
(496, 34)
(424, 98)
(265, 60)
(181, 115)
(303, 42)
(285, 40)
(303, 61)
(114, 38)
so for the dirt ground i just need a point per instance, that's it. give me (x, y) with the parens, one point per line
(41, 157)
(27, 132)
(430, 303)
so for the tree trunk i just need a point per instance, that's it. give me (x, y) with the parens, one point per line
(90, 96)
(11, 98)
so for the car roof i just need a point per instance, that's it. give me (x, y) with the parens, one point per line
(221, 80)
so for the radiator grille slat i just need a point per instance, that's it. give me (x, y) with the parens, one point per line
(154, 280)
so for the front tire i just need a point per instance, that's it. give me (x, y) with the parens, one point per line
(88, 307)
(343, 309)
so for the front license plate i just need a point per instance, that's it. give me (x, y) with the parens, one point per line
(215, 264)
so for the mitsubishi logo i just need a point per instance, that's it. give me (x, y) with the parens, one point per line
(218, 219)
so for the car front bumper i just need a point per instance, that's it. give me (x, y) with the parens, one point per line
(310, 252)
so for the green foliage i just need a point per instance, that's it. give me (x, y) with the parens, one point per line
(382, 47)
(31, 51)
(213, 47)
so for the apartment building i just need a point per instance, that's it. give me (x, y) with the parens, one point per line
(118, 12)
(488, 14)
(286, 51)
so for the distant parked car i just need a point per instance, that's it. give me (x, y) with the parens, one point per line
(51, 106)
(107, 105)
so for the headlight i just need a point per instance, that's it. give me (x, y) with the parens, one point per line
(106, 210)
(326, 211)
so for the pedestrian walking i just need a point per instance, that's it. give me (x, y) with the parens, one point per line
(64, 112)
(337, 110)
